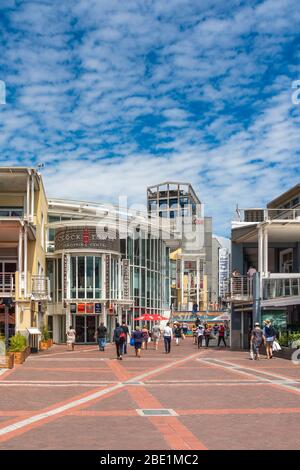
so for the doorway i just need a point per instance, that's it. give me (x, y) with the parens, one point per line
(85, 327)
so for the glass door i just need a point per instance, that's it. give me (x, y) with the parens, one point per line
(90, 321)
(80, 328)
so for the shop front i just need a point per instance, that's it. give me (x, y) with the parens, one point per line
(85, 318)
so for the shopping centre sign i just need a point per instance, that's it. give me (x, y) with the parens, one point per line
(71, 238)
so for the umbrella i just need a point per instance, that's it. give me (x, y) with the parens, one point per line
(153, 317)
(222, 317)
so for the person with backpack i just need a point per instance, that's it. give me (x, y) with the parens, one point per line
(101, 336)
(200, 334)
(119, 339)
(270, 335)
(222, 335)
(126, 331)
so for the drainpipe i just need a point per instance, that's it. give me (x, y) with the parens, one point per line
(256, 298)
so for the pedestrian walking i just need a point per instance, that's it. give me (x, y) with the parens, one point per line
(71, 337)
(156, 333)
(222, 335)
(194, 333)
(137, 336)
(216, 329)
(177, 333)
(200, 335)
(207, 334)
(101, 336)
(119, 339)
(270, 335)
(257, 339)
(185, 328)
(168, 335)
(126, 331)
(145, 334)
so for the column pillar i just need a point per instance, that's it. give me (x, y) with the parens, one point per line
(260, 249)
(32, 198)
(265, 261)
(20, 257)
(25, 261)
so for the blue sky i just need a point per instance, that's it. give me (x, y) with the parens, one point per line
(114, 96)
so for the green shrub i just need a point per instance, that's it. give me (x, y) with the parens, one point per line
(45, 334)
(287, 340)
(17, 343)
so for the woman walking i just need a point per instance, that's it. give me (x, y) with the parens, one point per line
(156, 335)
(257, 338)
(195, 333)
(145, 334)
(207, 333)
(137, 336)
(71, 337)
(270, 335)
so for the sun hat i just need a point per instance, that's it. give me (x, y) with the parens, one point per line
(256, 324)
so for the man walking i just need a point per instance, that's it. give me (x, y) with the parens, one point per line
(101, 336)
(221, 335)
(200, 334)
(167, 334)
(119, 338)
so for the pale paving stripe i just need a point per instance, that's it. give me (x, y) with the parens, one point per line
(279, 380)
(61, 409)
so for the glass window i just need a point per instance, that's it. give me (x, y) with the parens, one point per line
(81, 277)
(98, 277)
(73, 277)
(89, 277)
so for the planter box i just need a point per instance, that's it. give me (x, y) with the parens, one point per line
(19, 357)
(27, 352)
(44, 345)
(285, 353)
(7, 362)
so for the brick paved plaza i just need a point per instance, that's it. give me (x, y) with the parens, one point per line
(86, 399)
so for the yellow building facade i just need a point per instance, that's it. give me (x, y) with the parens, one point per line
(23, 284)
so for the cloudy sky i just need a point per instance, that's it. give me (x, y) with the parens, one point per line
(114, 95)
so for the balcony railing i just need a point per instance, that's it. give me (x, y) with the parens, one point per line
(280, 287)
(260, 215)
(7, 284)
(40, 287)
(240, 288)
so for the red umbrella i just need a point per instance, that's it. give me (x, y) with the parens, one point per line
(153, 317)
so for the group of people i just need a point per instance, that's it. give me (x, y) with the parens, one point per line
(203, 333)
(259, 336)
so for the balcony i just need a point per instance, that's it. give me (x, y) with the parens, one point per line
(40, 288)
(254, 215)
(240, 289)
(7, 284)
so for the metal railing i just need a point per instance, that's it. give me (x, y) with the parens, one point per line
(40, 287)
(262, 215)
(7, 284)
(240, 288)
(279, 287)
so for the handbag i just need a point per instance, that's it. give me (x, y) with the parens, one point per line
(276, 346)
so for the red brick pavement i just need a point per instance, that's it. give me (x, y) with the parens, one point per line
(84, 400)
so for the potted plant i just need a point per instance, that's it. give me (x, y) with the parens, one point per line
(44, 343)
(18, 344)
(6, 358)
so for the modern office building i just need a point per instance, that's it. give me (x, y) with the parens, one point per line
(268, 240)
(191, 262)
(24, 286)
(104, 264)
